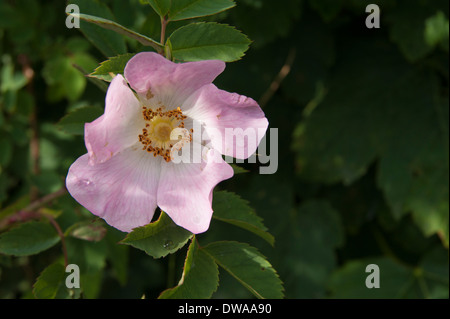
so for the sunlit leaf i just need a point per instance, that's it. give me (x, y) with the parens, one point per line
(159, 238)
(230, 208)
(109, 68)
(437, 30)
(87, 230)
(208, 41)
(200, 276)
(248, 266)
(51, 284)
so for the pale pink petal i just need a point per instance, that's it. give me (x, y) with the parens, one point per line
(122, 190)
(235, 124)
(154, 77)
(120, 125)
(185, 190)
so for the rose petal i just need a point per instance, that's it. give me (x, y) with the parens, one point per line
(235, 124)
(153, 76)
(185, 190)
(122, 190)
(120, 125)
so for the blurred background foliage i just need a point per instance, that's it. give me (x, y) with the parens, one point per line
(362, 118)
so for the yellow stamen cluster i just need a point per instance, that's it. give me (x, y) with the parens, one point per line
(149, 114)
(158, 128)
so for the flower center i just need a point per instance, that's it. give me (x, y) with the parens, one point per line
(162, 131)
(156, 136)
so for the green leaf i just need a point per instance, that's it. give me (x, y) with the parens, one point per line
(10, 80)
(188, 9)
(159, 238)
(248, 266)
(408, 29)
(74, 84)
(433, 269)
(90, 257)
(428, 280)
(28, 239)
(200, 277)
(230, 208)
(114, 65)
(413, 171)
(437, 29)
(350, 280)
(313, 234)
(160, 6)
(403, 126)
(83, 61)
(111, 25)
(51, 283)
(63, 79)
(73, 123)
(208, 41)
(87, 230)
(107, 41)
(14, 207)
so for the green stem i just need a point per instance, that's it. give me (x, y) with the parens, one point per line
(164, 23)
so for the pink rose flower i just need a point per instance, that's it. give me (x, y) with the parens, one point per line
(130, 169)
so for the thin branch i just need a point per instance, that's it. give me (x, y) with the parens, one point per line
(44, 200)
(275, 85)
(31, 211)
(61, 236)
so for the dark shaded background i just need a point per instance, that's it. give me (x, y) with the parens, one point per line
(362, 118)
